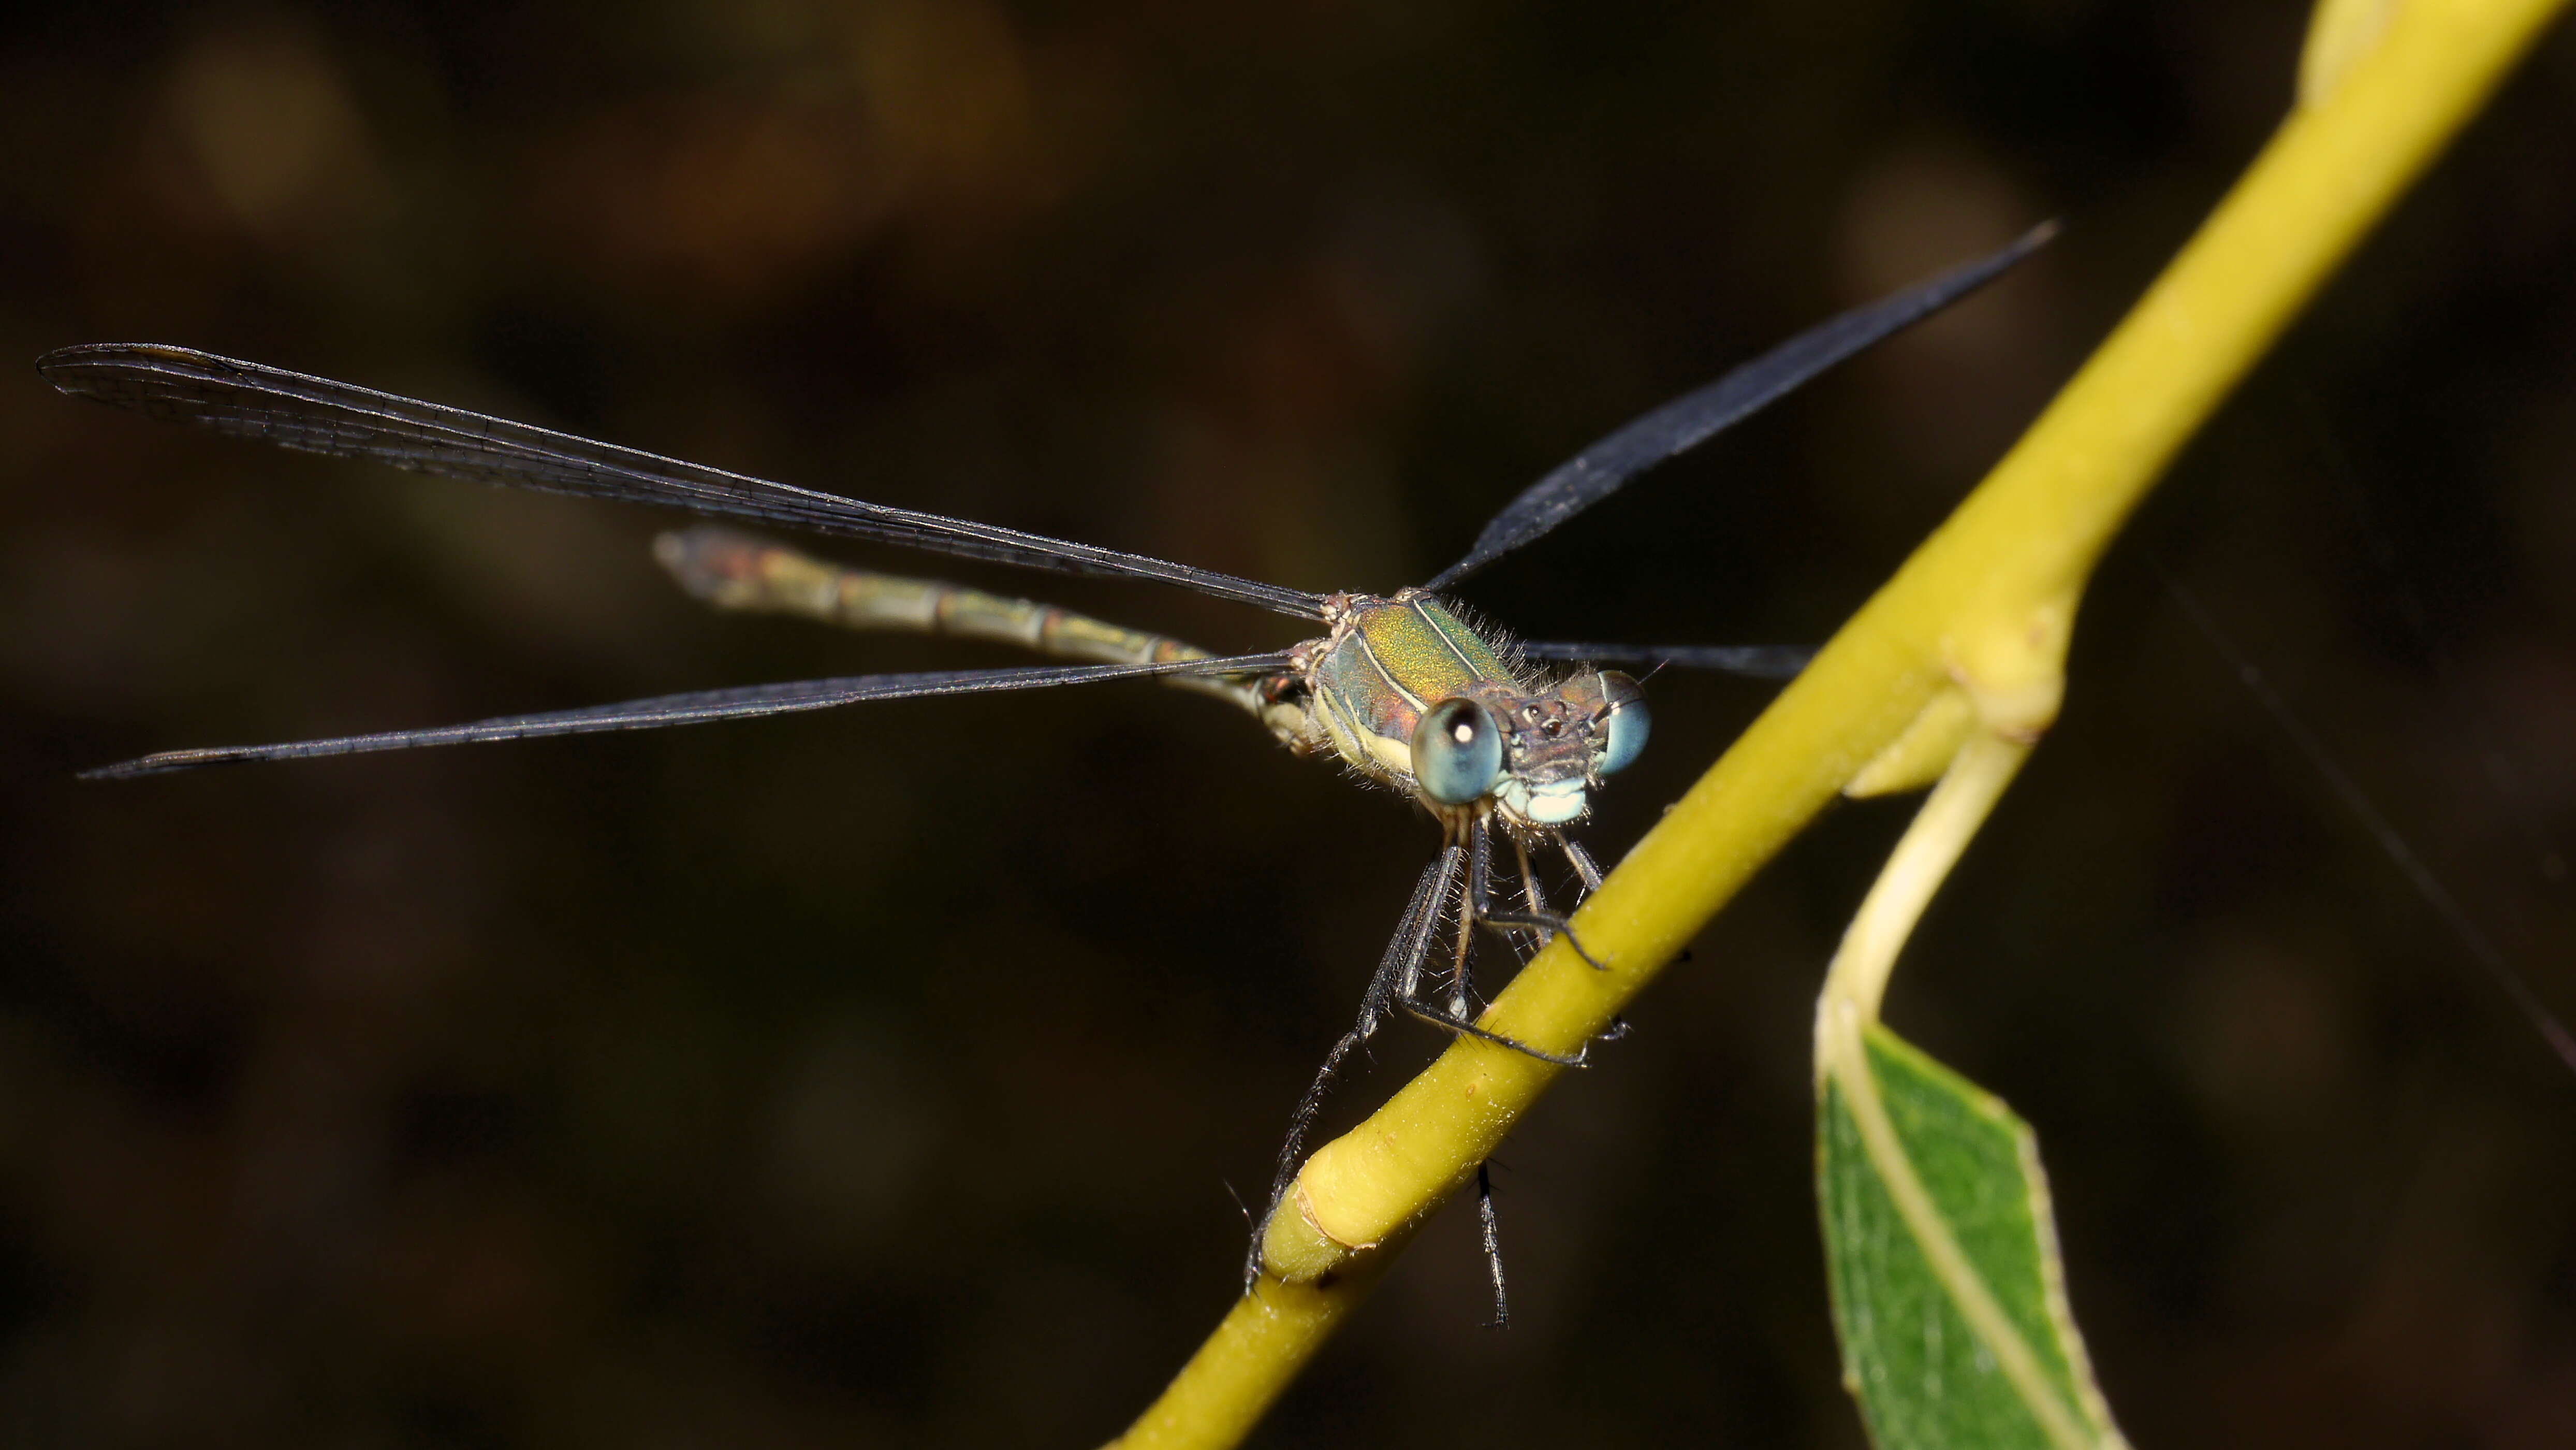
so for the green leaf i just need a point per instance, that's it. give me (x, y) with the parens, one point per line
(1947, 1289)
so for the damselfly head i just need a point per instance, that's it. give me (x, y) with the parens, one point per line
(1536, 753)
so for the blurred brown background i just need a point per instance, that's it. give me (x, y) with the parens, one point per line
(876, 1077)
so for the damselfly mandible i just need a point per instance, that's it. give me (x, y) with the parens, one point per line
(1399, 687)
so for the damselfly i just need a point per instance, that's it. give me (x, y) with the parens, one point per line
(1398, 687)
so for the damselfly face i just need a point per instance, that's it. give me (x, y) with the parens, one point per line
(1536, 754)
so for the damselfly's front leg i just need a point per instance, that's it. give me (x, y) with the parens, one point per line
(1581, 861)
(1397, 985)
(1397, 972)
(1480, 902)
(1473, 907)
(1530, 894)
(1490, 1229)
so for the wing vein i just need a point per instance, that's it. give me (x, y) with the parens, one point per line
(316, 415)
(694, 707)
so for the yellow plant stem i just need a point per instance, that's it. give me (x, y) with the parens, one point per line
(1985, 606)
(1253, 1355)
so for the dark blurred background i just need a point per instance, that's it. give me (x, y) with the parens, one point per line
(878, 1076)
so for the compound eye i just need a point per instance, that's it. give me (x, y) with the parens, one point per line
(1457, 752)
(1624, 722)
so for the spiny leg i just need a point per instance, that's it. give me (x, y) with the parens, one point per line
(1581, 861)
(1475, 905)
(1462, 955)
(1397, 974)
(1491, 1230)
(1480, 890)
(1398, 980)
(1537, 901)
(1529, 878)
(1438, 1016)
(1455, 1018)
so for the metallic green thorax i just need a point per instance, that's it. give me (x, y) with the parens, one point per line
(1389, 660)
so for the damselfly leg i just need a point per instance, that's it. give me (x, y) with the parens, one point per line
(1535, 918)
(1490, 1229)
(1461, 872)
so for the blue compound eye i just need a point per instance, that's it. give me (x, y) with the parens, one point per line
(1624, 724)
(1457, 752)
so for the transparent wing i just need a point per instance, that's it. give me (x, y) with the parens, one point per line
(317, 415)
(1760, 661)
(690, 709)
(1689, 420)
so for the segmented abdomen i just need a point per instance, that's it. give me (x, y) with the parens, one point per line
(736, 571)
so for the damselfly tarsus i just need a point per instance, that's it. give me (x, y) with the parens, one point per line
(1399, 687)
